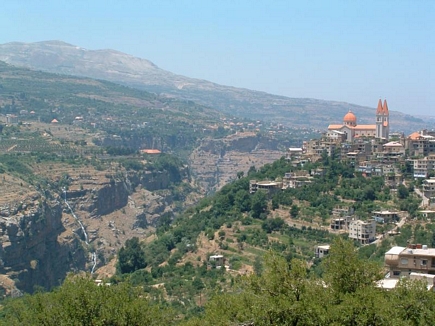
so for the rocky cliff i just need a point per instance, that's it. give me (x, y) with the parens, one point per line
(41, 241)
(217, 161)
(36, 248)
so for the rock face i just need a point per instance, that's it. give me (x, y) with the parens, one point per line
(217, 161)
(155, 180)
(41, 241)
(107, 198)
(35, 247)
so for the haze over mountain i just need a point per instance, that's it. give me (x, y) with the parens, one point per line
(63, 58)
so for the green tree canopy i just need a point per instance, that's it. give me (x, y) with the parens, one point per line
(131, 257)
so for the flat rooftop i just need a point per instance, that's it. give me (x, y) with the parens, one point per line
(395, 250)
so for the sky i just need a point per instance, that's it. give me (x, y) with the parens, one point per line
(351, 51)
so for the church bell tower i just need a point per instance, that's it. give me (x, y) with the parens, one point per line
(382, 120)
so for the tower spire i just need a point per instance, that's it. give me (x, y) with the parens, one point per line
(380, 109)
(385, 107)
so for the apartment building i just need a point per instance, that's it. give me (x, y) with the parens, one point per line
(294, 153)
(429, 188)
(316, 147)
(362, 231)
(296, 179)
(393, 176)
(420, 143)
(392, 152)
(423, 166)
(402, 261)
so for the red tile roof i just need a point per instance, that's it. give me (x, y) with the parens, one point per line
(150, 151)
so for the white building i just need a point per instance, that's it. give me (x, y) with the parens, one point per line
(362, 231)
(322, 251)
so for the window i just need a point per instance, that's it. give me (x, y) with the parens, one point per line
(404, 261)
(396, 273)
(424, 262)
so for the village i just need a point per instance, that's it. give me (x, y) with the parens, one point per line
(373, 151)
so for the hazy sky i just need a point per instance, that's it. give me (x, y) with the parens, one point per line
(352, 51)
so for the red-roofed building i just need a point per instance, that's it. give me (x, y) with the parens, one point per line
(150, 151)
(352, 130)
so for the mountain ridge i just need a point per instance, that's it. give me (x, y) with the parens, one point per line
(115, 66)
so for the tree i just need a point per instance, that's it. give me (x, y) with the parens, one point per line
(281, 295)
(242, 200)
(79, 301)
(258, 265)
(294, 211)
(402, 192)
(131, 257)
(345, 272)
(258, 204)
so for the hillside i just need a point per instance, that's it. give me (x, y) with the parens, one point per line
(140, 118)
(74, 137)
(60, 57)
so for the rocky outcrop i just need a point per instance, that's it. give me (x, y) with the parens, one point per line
(155, 180)
(111, 197)
(41, 240)
(217, 161)
(35, 249)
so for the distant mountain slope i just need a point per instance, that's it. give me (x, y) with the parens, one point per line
(60, 57)
(139, 118)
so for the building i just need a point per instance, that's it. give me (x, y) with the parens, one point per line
(352, 130)
(382, 120)
(339, 223)
(362, 231)
(321, 251)
(402, 261)
(420, 143)
(218, 260)
(11, 119)
(427, 213)
(369, 168)
(385, 216)
(429, 188)
(423, 166)
(296, 179)
(294, 153)
(393, 177)
(392, 152)
(150, 151)
(268, 186)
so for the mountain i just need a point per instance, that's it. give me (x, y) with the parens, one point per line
(64, 58)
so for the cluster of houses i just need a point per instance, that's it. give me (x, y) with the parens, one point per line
(370, 150)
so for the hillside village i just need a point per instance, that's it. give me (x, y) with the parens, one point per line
(217, 163)
(373, 151)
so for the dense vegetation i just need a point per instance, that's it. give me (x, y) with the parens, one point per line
(246, 226)
(285, 293)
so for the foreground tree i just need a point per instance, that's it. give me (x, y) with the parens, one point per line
(79, 301)
(345, 272)
(282, 295)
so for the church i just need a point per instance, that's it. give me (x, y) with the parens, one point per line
(352, 130)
